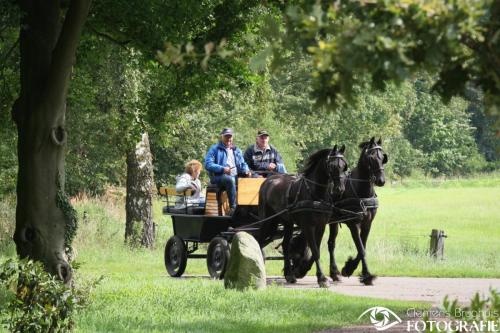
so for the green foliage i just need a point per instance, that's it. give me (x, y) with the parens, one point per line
(118, 90)
(443, 133)
(487, 308)
(487, 139)
(7, 224)
(9, 86)
(392, 40)
(102, 107)
(39, 302)
(404, 157)
(71, 226)
(480, 309)
(197, 126)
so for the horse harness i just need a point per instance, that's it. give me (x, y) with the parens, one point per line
(317, 205)
(370, 171)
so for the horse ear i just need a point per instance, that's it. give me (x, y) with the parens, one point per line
(379, 142)
(372, 140)
(342, 149)
(386, 159)
(333, 151)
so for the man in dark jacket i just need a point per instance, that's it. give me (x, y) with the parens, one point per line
(224, 162)
(261, 156)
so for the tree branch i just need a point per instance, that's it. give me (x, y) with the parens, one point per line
(64, 54)
(109, 37)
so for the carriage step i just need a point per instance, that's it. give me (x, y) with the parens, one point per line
(197, 256)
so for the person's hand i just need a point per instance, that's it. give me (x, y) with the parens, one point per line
(248, 174)
(227, 170)
(271, 166)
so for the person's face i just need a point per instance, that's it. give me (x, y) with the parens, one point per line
(262, 141)
(227, 140)
(196, 173)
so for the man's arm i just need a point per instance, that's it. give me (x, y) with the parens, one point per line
(240, 162)
(182, 184)
(280, 165)
(210, 164)
(249, 157)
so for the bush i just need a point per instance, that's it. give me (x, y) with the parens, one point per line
(487, 308)
(480, 309)
(38, 302)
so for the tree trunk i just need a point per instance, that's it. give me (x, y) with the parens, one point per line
(45, 221)
(140, 228)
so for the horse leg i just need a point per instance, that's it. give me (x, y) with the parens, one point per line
(334, 271)
(351, 264)
(365, 278)
(310, 231)
(366, 226)
(288, 268)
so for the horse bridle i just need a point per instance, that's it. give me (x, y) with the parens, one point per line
(330, 162)
(370, 170)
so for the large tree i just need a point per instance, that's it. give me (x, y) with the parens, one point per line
(45, 221)
(48, 37)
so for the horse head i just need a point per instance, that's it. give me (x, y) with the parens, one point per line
(373, 159)
(337, 166)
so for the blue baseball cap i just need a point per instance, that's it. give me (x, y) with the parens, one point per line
(226, 131)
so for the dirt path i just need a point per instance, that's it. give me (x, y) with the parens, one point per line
(431, 290)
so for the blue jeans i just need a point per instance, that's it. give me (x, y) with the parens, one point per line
(228, 183)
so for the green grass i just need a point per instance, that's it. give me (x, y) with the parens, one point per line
(138, 296)
(156, 303)
(470, 217)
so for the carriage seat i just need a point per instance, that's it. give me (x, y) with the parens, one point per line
(171, 209)
(217, 203)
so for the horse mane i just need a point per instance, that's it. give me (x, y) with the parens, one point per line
(365, 144)
(311, 162)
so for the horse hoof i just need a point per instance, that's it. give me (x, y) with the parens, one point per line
(335, 277)
(367, 280)
(349, 267)
(345, 272)
(290, 279)
(323, 283)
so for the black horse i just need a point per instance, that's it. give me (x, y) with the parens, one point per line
(360, 189)
(304, 200)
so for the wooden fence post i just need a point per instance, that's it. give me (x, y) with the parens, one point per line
(437, 243)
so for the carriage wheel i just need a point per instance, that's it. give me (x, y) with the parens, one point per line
(300, 255)
(217, 257)
(175, 256)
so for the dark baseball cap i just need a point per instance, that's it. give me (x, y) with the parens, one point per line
(262, 132)
(226, 131)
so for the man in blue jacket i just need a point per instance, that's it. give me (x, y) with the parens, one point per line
(224, 162)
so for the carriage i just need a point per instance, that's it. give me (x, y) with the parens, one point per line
(295, 208)
(211, 224)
